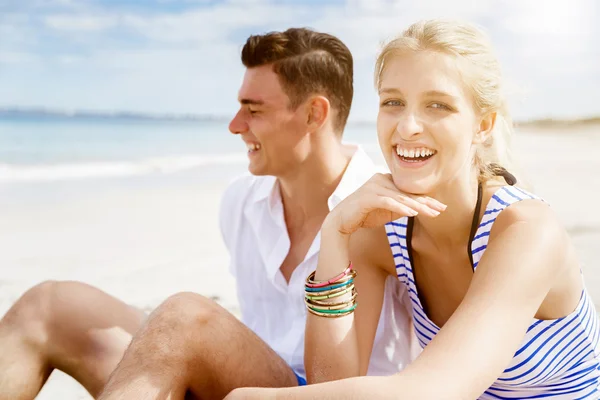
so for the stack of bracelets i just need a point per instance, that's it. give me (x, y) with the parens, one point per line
(333, 298)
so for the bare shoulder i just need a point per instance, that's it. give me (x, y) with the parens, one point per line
(529, 244)
(369, 246)
(537, 214)
(532, 226)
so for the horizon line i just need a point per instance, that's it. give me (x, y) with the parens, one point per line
(16, 111)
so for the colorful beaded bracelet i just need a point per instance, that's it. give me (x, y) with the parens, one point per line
(324, 288)
(340, 313)
(310, 283)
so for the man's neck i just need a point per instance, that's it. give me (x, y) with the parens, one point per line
(305, 192)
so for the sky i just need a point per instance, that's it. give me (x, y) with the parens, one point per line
(182, 56)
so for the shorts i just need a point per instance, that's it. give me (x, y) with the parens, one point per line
(301, 380)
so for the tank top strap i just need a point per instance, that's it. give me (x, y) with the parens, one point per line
(502, 198)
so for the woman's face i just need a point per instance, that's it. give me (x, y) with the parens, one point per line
(427, 126)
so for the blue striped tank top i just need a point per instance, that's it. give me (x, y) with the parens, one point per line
(557, 359)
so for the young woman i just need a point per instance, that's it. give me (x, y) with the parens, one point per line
(497, 296)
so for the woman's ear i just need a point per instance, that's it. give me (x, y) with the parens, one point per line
(486, 126)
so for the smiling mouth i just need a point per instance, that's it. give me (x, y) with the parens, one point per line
(253, 147)
(414, 155)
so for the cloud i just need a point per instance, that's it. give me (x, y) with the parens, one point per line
(80, 23)
(202, 26)
(13, 57)
(183, 55)
(555, 18)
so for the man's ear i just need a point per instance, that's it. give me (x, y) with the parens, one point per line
(486, 126)
(318, 112)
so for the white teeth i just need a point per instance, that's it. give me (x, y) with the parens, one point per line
(252, 146)
(414, 153)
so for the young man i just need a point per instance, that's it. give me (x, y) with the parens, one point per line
(294, 102)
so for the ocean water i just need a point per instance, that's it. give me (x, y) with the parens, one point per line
(44, 149)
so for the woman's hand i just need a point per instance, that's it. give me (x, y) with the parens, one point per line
(378, 202)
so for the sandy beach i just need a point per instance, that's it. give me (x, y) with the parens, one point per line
(142, 241)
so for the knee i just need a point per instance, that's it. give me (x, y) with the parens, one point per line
(29, 315)
(187, 310)
(33, 304)
(176, 328)
(51, 305)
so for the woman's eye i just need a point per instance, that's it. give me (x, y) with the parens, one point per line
(440, 106)
(391, 103)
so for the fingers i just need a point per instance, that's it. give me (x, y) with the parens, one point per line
(432, 207)
(417, 206)
(397, 209)
(431, 203)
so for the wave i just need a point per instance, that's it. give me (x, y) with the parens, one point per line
(108, 169)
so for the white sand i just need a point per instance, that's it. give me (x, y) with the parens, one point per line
(142, 243)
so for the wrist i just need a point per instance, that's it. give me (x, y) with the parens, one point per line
(331, 227)
(331, 237)
(334, 255)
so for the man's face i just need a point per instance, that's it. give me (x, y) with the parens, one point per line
(272, 131)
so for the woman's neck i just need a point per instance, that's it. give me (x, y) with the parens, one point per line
(452, 227)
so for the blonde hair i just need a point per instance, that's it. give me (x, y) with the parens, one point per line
(482, 76)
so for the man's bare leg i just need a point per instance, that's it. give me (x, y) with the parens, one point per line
(192, 345)
(69, 326)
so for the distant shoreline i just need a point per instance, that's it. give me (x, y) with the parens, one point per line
(50, 114)
(559, 123)
(19, 113)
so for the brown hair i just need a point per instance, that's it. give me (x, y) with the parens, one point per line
(307, 62)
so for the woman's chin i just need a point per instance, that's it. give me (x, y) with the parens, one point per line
(411, 186)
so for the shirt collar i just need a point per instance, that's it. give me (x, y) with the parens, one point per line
(359, 170)
(267, 188)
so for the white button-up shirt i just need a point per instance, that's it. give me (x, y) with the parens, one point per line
(253, 228)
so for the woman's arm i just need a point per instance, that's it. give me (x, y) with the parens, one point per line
(363, 388)
(341, 347)
(337, 348)
(526, 255)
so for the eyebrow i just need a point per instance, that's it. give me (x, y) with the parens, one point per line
(438, 93)
(252, 102)
(430, 93)
(388, 90)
